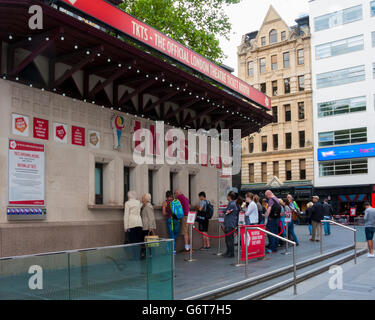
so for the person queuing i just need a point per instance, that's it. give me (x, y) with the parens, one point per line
(203, 220)
(173, 224)
(316, 218)
(282, 220)
(308, 215)
(289, 208)
(251, 213)
(184, 226)
(132, 218)
(261, 210)
(295, 208)
(273, 215)
(231, 221)
(370, 228)
(328, 215)
(148, 219)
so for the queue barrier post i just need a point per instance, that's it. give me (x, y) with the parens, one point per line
(219, 253)
(239, 264)
(286, 237)
(190, 221)
(321, 239)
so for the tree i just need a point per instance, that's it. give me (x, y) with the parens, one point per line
(196, 24)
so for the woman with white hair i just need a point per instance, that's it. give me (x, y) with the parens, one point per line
(147, 214)
(132, 218)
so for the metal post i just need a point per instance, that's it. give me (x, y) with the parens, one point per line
(355, 246)
(238, 262)
(295, 268)
(321, 238)
(219, 253)
(286, 242)
(191, 244)
(245, 240)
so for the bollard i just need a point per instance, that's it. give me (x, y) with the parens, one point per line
(239, 264)
(219, 253)
(191, 245)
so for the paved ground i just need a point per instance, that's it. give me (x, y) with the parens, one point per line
(210, 271)
(358, 284)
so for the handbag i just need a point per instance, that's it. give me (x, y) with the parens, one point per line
(152, 240)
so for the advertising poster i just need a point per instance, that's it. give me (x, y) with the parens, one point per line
(94, 139)
(60, 132)
(255, 243)
(20, 125)
(78, 136)
(40, 129)
(26, 170)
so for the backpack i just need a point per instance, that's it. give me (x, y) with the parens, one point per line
(177, 210)
(209, 210)
(275, 210)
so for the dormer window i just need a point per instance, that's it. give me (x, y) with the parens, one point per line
(273, 36)
(263, 41)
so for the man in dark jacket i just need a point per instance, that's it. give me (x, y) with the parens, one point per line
(328, 214)
(317, 216)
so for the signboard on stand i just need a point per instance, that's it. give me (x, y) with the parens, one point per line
(255, 243)
(191, 217)
(26, 173)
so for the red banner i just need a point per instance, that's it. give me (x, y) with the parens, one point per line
(40, 129)
(78, 136)
(255, 243)
(138, 30)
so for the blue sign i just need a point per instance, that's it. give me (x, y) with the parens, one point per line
(347, 152)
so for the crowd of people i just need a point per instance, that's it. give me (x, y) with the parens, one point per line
(139, 218)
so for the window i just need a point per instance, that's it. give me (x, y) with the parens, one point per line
(264, 171)
(191, 186)
(263, 88)
(263, 41)
(340, 47)
(251, 145)
(288, 140)
(250, 68)
(302, 169)
(151, 183)
(288, 113)
(275, 142)
(337, 107)
(275, 114)
(264, 143)
(274, 62)
(338, 18)
(373, 39)
(340, 77)
(372, 8)
(301, 110)
(276, 168)
(274, 88)
(288, 170)
(283, 35)
(262, 65)
(341, 137)
(126, 182)
(251, 173)
(347, 167)
(287, 85)
(301, 83)
(301, 135)
(273, 36)
(286, 59)
(301, 56)
(172, 176)
(98, 183)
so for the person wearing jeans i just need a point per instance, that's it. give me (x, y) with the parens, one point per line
(370, 228)
(173, 224)
(328, 214)
(273, 215)
(231, 221)
(273, 226)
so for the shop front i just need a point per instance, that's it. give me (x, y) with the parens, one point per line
(72, 97)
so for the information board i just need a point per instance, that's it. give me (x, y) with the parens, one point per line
(26, 173)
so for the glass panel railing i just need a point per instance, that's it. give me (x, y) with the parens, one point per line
(106, 273)
(38, 277)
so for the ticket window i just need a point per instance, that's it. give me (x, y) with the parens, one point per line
(99, 183)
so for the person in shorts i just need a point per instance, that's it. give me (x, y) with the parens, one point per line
(370, 228)
(203, 222)
(184, 226)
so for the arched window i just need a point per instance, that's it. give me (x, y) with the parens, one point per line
(273, 36)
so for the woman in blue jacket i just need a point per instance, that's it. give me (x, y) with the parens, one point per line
(231, 221)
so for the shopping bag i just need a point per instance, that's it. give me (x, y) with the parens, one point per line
(152, 240)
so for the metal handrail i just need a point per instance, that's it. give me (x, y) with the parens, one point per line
(281, 238)
(342, 226)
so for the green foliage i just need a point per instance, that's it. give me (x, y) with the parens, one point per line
(195, 23)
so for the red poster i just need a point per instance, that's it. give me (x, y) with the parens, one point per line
(255, 241)
(40, 129)
(353, 212)
(122, 21)
(78, 136)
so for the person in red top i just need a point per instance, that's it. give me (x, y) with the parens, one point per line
(186, 207)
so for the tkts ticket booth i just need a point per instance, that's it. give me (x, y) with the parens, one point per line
(77, 79)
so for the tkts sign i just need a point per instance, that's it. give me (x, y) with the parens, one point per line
(120, 20)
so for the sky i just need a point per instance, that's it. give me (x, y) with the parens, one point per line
(248, 16)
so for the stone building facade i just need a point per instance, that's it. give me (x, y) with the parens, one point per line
(276, 60)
